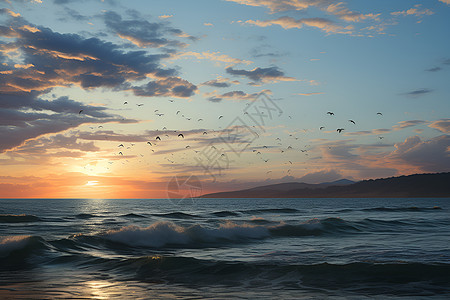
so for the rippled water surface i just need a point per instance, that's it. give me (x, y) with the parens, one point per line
(225, 248)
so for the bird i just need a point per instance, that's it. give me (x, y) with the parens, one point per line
(352, 121)
(80, 111)
(340, 130)
(199, 120)
(170, 100)
(121, 145)
(378, 113)
(321, 127)
(121, 153)
(380, 137)
(220, 117)
(100, 126)
(265, 160)
(204, 132)
(140, 104)
(290, 162)
(330, 113)
(178, 112)
(159, 115)
(181, 135)
(149, 143)
(125, 103)
(158, 138)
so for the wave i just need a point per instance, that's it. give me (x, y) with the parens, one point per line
(270, 210)
(177, 215)
(164, 234)
(225, 213)
(18, 218)
(394, 209)
(19, 246)
(403, 209)
(85, 216)
(374, 278)
(133, 215)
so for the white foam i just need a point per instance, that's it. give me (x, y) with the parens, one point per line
(163, 233)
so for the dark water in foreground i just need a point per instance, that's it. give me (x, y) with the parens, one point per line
(225, 249)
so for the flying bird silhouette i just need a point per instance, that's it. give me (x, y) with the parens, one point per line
(121, 153)
(121, 145)
(340, 130)
(158, 138)
(378, 113)
(181, 135)
(220, 117)
(125, 103)
(80, 111)
(149, 143)
(204, 132)
(140, 104)
(321, 128)
(352, 121)
(330, 113)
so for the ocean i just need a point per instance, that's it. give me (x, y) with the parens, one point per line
(225, 249)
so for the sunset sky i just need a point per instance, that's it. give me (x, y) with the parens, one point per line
(87, 86)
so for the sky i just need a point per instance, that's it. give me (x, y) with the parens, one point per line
(150, 99)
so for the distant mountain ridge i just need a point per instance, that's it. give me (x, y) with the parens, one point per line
(411, 186)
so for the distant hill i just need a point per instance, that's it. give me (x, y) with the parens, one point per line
(418, 185)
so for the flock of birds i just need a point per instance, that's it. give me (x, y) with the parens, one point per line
(256, 149)
(342, 129)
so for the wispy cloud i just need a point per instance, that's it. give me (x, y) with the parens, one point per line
(264, 75)
(323, 24)
(418, 93)
(212, 56)
(442, 125)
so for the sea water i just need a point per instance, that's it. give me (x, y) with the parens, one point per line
(225, 248)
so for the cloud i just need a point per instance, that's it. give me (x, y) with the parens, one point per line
(171, 86)
(418, 93)
(442, 125)
(333, 7)
(9, 12)
(212, 56)
(323, 24)
(55, 142)
(431, 156)
(220, 82)
(271, 74)
(415, 11)
(142, 32)
(235, 95)
(339, 10)
(445, 1)
(406, 124)
(434, 69)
